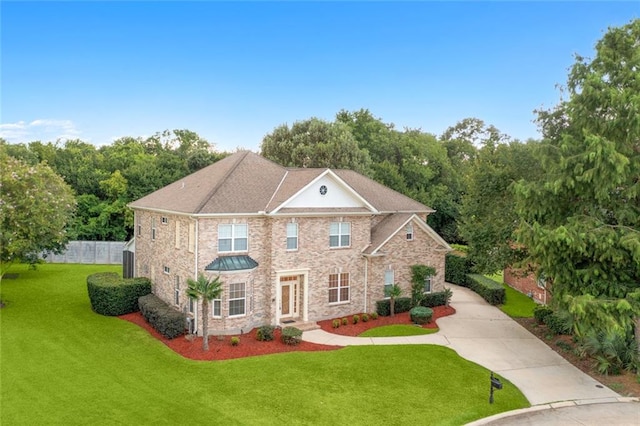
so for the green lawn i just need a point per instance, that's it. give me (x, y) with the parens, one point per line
(63, 364)
(397, 330)
(518, 305)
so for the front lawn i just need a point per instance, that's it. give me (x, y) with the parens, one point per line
(397, 330)
(64, 364)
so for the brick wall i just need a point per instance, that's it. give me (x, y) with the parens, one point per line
(526, 284)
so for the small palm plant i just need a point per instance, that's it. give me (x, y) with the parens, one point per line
(394, 291)
(207, 290)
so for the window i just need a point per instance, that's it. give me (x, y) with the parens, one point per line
(389, 280)
(153, 228)
(542, 281)
(192, 306)
(166, 269)
(427, 284)
(237, 299)
(338, 288)
(164, 220)
(216, 308)
(139, 226)
(192, 237)
(292, 236)
(340, 234)
(409, 230)
(176, 292)
(177, 234)
(232, 237)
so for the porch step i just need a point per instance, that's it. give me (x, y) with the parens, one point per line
(304, 326)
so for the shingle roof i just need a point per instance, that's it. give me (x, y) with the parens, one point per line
(246, 183)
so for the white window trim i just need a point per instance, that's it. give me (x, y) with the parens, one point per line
(384, 288)
(164, 220)
(213, 310)
(153, 229)
(166, 270)
(340, 234)
(238, 298)
(176, 292)
(430, 279)
(233, 237)
(410, 232)
(340, 286)
(292, 237)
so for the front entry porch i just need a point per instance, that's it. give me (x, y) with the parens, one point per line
(292, 298)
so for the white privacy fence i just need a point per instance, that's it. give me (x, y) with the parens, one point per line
(99, 252)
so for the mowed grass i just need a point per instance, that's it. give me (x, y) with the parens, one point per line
(397, 330)
(64, 364)
(518, 305)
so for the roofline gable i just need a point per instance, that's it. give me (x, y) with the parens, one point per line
(340, 182)
(423, 225)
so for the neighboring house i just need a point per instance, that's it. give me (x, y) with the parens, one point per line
(528, 283)
(290, 245)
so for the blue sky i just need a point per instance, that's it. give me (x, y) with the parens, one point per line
(232, 72)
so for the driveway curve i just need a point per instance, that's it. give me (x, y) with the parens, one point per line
(485, 335)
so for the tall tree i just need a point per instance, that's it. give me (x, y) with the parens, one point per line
(581, 224)
(35, 207)
(315, 143)
(204, 289)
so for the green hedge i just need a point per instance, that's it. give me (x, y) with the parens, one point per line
(421, 315)
(112, 295)
(402, 304)
(291, 335)
(490, 290)
(431, 300)
(456, 269)
(167, 320)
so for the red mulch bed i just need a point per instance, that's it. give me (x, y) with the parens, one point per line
(222, 349)
(249, 346)
(402, 318)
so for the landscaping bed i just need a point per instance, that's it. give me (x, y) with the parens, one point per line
(626, 384)
(220, 348)
(352, 329)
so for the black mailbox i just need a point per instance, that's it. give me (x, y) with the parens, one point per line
(496, 383)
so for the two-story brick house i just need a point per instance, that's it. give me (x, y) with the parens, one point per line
(298, 245)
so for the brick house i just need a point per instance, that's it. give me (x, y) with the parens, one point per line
(290, 245)
(528, 283)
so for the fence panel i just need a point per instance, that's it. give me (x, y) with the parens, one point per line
(89, 252)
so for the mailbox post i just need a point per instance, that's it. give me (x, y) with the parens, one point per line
(495, 384)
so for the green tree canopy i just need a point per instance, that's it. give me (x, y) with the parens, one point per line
(581, 223)
(35, 207)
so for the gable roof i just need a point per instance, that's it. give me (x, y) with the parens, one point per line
(394, 223)
(246, 183)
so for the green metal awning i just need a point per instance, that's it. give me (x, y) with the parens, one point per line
(232, 263)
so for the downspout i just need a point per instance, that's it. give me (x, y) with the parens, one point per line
(195, 275)
(366, 281)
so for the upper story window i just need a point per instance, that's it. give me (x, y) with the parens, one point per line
(166, 269)
(232, 237)
(164, 220)
(139, 226)
(153, 228)
(409, 231)
(340, 234)
(292, 236)
(191, 243)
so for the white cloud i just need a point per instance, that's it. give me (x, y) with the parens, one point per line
(45, 130)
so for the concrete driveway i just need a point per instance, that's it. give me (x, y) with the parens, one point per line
(485, 335)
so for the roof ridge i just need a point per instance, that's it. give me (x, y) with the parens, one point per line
(242, 155)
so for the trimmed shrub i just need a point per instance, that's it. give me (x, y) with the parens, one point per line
(265, 333)
(490, 290)
(421, 315)
(345, 321)
(356, 319)
(541, 312)
(291, 335)
(431, 300)
(336, 323)
(374, 315)
(113, 295)
(365, 317)
(167, 320)
(235, 341)
(383, 307)
(456, 269)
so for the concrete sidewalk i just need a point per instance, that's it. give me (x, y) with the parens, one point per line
(485, 335)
